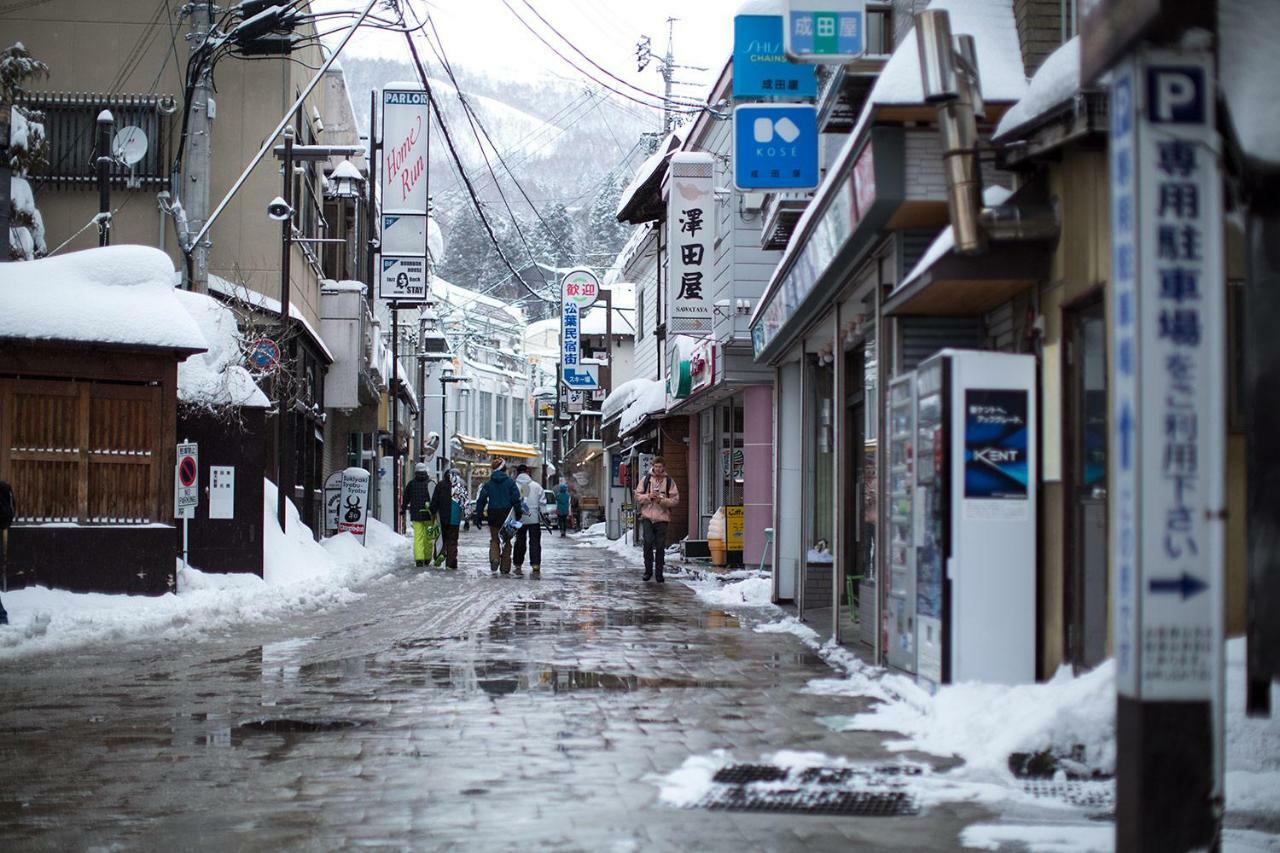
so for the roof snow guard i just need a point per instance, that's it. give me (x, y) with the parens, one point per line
(641, 201)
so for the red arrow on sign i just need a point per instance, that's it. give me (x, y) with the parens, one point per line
(187, 471)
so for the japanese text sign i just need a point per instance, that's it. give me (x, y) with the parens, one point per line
(691, 233)
(825, 30)
(1167, 404)
(760, 65)
(775, 147)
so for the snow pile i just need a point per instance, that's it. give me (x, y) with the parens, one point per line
(756, 591)
(216, 377)
(110, 294)
(1056, 82)
(1253, 745)
(596, 536)
(1048, 838)
(301, 576)
(632, 401)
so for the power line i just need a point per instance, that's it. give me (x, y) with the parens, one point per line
(435, 108)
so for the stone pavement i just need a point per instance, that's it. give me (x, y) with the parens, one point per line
(441, 711)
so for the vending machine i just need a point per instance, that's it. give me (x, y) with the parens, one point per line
(975, 523)
(900, 618)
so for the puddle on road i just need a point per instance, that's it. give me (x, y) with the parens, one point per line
(501, 678)
(537, 616)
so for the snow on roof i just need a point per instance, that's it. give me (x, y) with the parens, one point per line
(457, 296)
(632, 401)
(761, 7)
(435, 240)
(111, 294)
(216, 377)
(649, 168)
(218, 284)
(328, 285)
(946, 241)
(1248, 33)
(1056, 82)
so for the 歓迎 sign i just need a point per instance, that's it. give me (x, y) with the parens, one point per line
(402, 278)
(691, 234)
(222, 491)
(760, 65)
(405, 120)
(186, 481)
(1167, 406)
(579, 290)
(775, 147)
(581, 287)
(353, 502)
(824, 30)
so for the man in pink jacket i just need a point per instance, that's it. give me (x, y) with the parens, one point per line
(656, 495)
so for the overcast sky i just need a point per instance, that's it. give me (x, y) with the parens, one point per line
(486, 34)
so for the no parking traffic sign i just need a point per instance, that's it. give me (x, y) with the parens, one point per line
(186, 481)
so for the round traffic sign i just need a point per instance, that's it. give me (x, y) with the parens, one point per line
(187, 471)
(264, 354)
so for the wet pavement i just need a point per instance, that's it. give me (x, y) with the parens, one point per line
(444, 710)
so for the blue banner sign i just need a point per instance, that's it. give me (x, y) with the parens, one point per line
(760, 65)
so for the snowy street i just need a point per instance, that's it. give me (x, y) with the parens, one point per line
(439, 710)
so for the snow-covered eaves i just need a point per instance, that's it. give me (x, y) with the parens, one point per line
(262, 302)
(217, 377)
(328, 285)
(406, 387)
(641, 201)
(633, 401)
(457, 296)
(118, 295)
(946, 241)
(1055, 83)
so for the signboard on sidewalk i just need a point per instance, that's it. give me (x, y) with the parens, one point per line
(775, 147)
(760, 65)
(186, 481)
(222, 491)
(1167, 406)
(333, 501)
(353, 504)
(403, 176)
(691, 235)
(824, 30)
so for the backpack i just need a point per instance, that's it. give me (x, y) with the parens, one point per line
(8, 508)
(666, 487)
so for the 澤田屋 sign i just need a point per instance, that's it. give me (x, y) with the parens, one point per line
(691, 233)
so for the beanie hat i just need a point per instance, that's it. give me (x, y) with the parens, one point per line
(421, 468)
(499, 464)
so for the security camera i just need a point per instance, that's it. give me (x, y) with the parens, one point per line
(279, 209)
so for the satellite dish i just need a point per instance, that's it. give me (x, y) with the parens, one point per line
(129, 145)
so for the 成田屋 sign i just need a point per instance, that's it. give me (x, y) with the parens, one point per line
(1167, 406)
(824, 30)
(691, 232)
(760, 65)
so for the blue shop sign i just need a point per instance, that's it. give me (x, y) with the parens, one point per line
(760, 65)
(775, 147)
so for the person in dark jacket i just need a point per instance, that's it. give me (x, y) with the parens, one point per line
(8, 510)
(448, 505)
(416, 501)
(497, 498)
(562, 507)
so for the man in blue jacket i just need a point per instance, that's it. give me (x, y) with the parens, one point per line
(497, 498)
(562, 507)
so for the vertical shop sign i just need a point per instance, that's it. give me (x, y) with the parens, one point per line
(1167, 405)
(690, 237)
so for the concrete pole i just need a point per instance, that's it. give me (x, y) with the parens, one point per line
(284, 473)
(194, 193)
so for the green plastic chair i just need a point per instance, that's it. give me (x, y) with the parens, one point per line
(851, 592)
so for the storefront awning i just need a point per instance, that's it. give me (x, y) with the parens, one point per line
(512, 450)
(475, 445)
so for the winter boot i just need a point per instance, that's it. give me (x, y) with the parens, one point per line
(535, 570)
(648, 573)
(493, 567)
(517, 571)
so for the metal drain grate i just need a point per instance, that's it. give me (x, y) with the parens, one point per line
(1091, 794)
(853, 791)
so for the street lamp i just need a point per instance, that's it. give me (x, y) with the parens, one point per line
(447, 378)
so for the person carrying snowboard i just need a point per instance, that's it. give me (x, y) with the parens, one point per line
(530, 522)
(416, 501)
(448, 504)
(499, 497)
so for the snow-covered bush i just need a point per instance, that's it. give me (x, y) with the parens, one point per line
(27, 150)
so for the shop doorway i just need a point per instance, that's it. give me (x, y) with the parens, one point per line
(858, 464)
(1085, 383)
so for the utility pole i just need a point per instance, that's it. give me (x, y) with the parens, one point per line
(667, 71)
(105, 124)
(393, 408)
(194, 192)
(283, 373)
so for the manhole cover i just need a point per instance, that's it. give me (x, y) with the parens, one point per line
(1091, 794)
(855, 791)
(288, 726)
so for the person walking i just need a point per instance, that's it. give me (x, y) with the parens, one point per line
(498, 497)
(8, 511)
(448, 504)
(562, 507)
(530, 523)
(656, 495)
(416, 501)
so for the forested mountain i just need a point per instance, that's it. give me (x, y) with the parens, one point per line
(572, 146)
